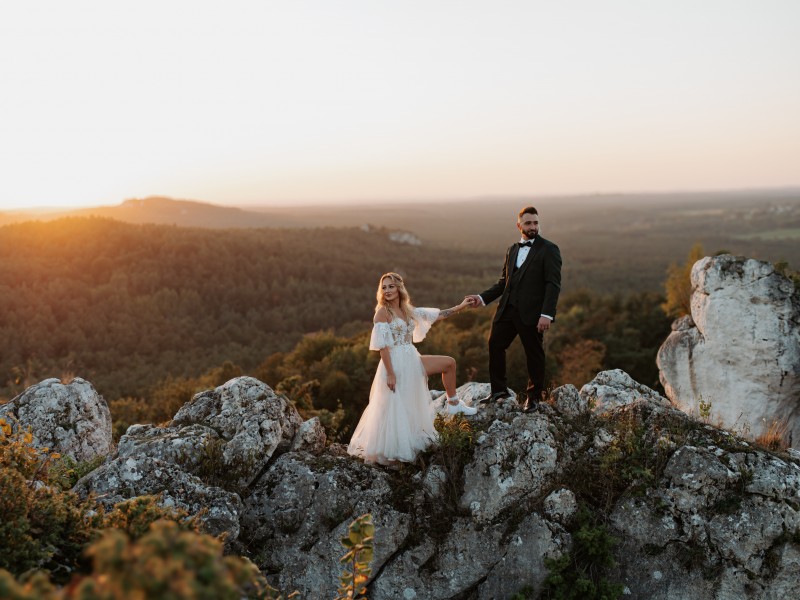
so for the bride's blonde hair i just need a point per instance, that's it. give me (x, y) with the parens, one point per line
(405, 300)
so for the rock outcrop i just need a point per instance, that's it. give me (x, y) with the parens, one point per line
(69, 418)
(217, 444)
(697, 511)
(740, 349)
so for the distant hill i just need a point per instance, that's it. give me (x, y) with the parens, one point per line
(160, 210)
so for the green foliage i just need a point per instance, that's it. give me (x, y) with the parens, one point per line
(454, 451)
(704, 409)
(167, 562)
(37, 586)
(525, 593)
(66, 471)
(42, 527)
(678, 285)
(135, 516)
(359, 555)
(456, 436)
(211, 466)
(579, 575)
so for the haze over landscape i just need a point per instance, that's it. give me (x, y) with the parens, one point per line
(316, 102)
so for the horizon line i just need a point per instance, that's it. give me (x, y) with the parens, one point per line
(788, 188)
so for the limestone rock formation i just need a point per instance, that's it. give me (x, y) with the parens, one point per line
(612, 389)
(253, 421)
(71, 419)
(697, 511)
(125, 478)
(512, 459)
(217, 444)
(740, 349)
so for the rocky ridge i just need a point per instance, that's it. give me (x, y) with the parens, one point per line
(697, 511)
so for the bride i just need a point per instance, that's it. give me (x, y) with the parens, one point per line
(398, 422)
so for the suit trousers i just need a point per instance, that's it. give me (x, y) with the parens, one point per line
(507, 326)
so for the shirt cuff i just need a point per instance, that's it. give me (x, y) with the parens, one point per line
(547, 316)
(481, 299)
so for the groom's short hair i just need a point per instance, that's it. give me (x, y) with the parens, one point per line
(528, 209)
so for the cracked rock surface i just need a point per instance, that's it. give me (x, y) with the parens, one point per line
(739, 351)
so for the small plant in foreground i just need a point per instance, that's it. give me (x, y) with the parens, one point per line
(359, 554)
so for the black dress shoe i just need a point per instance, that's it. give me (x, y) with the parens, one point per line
(530, 406)
(495, 397)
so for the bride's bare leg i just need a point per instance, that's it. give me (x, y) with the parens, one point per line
(445, 365)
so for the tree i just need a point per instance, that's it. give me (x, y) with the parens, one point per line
(678, 285)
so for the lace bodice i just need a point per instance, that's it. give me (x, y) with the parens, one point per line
(400, 332)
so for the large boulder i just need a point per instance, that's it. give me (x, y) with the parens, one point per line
(513, 459)
(251, 420)
(615, 388)
(132, 476)
(216, 446)
(303, 505)
(69, 418)
(739, 352)
(474, 561)
(719, 525)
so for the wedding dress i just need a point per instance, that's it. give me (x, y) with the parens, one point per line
(397, 425)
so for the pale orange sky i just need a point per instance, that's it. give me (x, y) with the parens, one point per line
(261, 102)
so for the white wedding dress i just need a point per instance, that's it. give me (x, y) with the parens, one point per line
(397, 425)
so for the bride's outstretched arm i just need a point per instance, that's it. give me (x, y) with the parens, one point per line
(447, 312)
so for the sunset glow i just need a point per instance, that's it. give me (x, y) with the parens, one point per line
(258, 102)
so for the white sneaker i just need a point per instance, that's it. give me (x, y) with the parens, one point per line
(454, 409)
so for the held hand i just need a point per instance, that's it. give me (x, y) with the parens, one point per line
(391, 381)
(474, 300)
(465, 303)
(543, 324)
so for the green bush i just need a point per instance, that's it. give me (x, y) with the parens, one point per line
(42, 528)
(579, 575)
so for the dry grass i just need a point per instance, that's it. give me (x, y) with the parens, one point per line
(776, 438)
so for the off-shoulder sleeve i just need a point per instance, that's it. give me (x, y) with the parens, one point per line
(424, 318)
(381, 336)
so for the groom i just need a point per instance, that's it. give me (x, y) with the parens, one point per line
(528, 290)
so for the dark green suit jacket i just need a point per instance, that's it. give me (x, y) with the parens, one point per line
(538, 283)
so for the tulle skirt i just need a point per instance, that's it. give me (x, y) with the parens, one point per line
(397, 425)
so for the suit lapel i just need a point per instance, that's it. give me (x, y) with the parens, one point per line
(512, 262)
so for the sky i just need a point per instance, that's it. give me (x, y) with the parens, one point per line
(313, 101)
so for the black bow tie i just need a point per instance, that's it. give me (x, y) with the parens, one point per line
(521, 244)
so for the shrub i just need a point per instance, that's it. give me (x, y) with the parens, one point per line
(66, 471)
(36, 587)
(135, 516)
(42, 528)
(167, 562)
(579, 575)
(358, 542)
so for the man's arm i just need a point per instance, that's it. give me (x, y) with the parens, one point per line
(496, 290)
(552, 280)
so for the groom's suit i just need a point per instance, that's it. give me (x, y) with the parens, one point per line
(525, 293)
